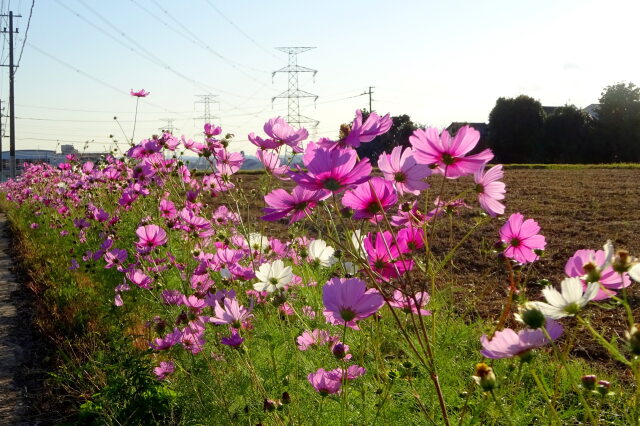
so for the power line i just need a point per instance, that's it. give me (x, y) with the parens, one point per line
(33, 2)
(241, 31)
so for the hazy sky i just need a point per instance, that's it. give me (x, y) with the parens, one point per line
(438, 61)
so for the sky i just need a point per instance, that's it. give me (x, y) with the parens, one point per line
(437, 61)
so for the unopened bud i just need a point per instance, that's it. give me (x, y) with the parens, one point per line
(589, 381)
(485, 377)
(633, 337)
(532, 316)
(621, 261)
(603, 387)
(286, 398)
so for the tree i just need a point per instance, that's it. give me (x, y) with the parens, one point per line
(618, 124)
(399, 133)
(515, 130)
(568, 137)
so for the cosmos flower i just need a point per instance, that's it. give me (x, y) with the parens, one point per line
(164, 369)
(150, 236)
(489, 190)
(332, 169)
(308, 340)
(139, 94)
(272, 276)
(322, 253)
(370, 199)
(521, 238)
(507, 343)
(402, 169)
(280, 130)
(407, 303)
(569, 301)
(449, 155)
(348, 300)
(595, 266)
(297, 204)
(372, 127)
(231, 312)
(324, 382)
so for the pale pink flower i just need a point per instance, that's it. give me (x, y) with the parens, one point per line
(348, 300)
(372, 127)
(489, 190)
(507, 343)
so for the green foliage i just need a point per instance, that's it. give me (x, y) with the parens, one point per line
(618, 124)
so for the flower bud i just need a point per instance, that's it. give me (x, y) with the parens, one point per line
(633, 337)
(485, 377)
(339, 350)
(286, 398)
(603, 387)
(589, 381)
(621, 261)
(532, 316)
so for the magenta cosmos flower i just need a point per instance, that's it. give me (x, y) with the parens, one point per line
(507, 343)
(489, 190)
(297, 204)
(449, 155)
(401, 168)
(383, 255)
(139, 94)
(151, 236)
(332, 169)
(324, 382)
(370, 199)
(348, 300)
(522, 238)
(593, 266)
(372, 127)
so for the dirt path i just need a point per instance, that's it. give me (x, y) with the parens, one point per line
(12, 351)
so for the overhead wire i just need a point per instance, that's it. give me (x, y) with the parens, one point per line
(33, 2)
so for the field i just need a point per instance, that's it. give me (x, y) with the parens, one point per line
(576, 209)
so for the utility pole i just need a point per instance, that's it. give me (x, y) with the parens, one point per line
(1, 138)
(12, 116)
(293, 94)
(370, 93)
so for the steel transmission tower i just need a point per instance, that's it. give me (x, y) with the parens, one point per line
(206, 100)
(293, 94)
(169, 127)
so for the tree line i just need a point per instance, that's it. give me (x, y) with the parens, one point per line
(521, 131)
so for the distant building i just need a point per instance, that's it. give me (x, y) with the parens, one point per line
(43, 156)
(592, 110)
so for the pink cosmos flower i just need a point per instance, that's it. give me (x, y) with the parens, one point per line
(308, 340)
(370, 199)
(593, 266)
(383, 255)
(407, 303)
(151, 236)
(271, 163)
(352, 372)
(410, 239)
(211, 130)
(115, 258)
(167, 209)
(263, 143)
(279, 129)
(348, 300)
(227, 163)
(297, 204)
(489, 190)
(402, 169)
(309, 311)
(361, 133)
(165, 369)
(324, 382)
(334, 170)
(139, 94)
(171, 339)
(507, 343)
(522, 238)
(232, 313)
(447, 154)
(139, 278)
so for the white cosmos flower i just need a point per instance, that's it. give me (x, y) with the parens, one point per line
(569, 301)
(350, 268)
(634, 272)
(272, 276)
(258, 242)
(357, 241)
(320, 251)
